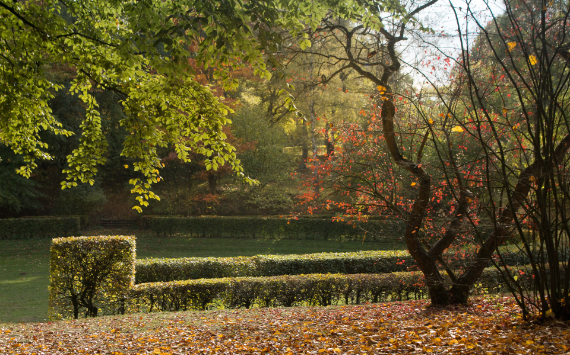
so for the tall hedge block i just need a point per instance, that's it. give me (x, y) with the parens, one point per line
(92, 275)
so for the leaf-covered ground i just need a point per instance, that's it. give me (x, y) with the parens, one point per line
(487, 326)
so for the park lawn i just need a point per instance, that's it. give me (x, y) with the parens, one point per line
(24, 264)
(485, 326)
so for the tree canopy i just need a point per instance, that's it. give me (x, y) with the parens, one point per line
(138, 49)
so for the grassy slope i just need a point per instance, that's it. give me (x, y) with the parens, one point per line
(24, 264)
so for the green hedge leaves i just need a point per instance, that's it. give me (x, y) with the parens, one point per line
(39, 227)
(159, 270)
(93, 274)
(286, 291)
(363, 262)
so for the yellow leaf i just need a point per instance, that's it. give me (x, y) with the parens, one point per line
(529, 342)
(413, 184)
(453, 341)
(457, 129)
(511, 45)
(126, 166)
(505, 110)
(437, 340)
(430, 121)
(532, 60)
(381, 89)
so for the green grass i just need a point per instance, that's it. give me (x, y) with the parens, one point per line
(24, 264)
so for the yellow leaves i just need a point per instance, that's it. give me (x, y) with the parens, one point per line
(413, 184)
(511, 45)
(126, 166)
(529, 342)
(381, 89)
(430, 121)
(532, 60)
(505, 111)
(457, 129)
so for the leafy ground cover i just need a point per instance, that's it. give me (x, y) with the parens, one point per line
(486, 326)
(24, 264)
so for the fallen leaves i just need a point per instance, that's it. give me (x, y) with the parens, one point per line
(485, 326)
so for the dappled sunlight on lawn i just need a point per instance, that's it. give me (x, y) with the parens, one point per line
(20, 280)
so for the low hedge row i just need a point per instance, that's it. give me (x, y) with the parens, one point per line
(39, 227)
(373, 262)
(265, 227)
(287, 291)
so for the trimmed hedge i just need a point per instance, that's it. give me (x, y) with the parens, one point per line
(163, 270)
(91, 273)
(160, 270)
(39, 227)
(286, 291)
(265, 227)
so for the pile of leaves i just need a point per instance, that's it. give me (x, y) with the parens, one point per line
(487, 325)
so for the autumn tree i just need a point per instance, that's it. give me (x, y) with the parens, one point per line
(493, 136)
(515, 82)
(138, 50)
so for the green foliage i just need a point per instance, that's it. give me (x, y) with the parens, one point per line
(139, 50)
(39, 227)
(84, 199)
(285, 290)
(257, 200)
(17, 193)
(266, 161)
(261, 227)
(158, 270)
(94, 273)
(172, 269)
(380, 262)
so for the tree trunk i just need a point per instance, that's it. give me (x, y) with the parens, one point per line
(460, 290)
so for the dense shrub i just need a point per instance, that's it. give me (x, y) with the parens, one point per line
(263, 227)
(172, 269)
(157, 270)
(377, 262)
(91, 273)
(39, 227)
(286, 290)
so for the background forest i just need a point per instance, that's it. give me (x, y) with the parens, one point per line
(274, 143)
